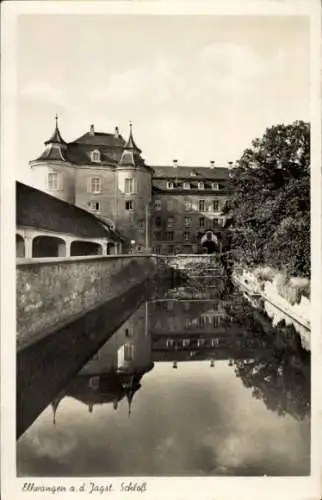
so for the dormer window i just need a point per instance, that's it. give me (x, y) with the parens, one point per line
(201, 185)
(215, 186)
(170, 185)
(95, 156)
(186, 185)
(193, 173)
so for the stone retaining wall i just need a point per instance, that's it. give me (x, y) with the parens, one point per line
(52, 292)
(194, 265)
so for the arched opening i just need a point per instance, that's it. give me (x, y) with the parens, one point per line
(20, 247)
(79, 248)
(48, 246)
(209, 242)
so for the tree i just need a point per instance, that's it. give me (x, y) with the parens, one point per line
(271, 200)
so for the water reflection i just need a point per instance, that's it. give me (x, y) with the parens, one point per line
(199, 374)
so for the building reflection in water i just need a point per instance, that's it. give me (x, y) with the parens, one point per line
(182, 328)
(116, 370)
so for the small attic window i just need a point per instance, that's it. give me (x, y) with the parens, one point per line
(201, 185)
(95, 156)
(193, 173)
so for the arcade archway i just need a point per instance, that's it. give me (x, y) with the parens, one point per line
(210, 243)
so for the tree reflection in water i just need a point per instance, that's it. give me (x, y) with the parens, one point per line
(282, 380)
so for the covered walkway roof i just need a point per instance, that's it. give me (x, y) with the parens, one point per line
(38, 210)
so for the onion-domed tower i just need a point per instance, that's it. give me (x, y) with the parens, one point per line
(52, 170)
(133, 195)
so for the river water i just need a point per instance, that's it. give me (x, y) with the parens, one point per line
(192, 382)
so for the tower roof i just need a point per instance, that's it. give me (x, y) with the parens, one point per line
(131, 155)
(131, 143)
(56, 147)
(56, 137)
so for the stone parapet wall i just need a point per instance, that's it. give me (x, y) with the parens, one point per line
(52, 292)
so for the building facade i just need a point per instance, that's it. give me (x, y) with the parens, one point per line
(166, 209)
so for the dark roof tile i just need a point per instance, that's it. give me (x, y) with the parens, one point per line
(101, 139)
(37, 209)
(187, 172)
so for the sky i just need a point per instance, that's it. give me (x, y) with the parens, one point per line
(197, 88)
(233, 433)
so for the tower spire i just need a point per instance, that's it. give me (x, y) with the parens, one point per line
(56, 147)
(131, 153)
(56, 137)
(54, 406)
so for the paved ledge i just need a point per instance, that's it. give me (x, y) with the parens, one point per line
(81, 258)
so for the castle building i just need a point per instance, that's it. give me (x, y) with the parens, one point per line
(166, 209)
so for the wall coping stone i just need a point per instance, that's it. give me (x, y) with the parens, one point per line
(82, 258)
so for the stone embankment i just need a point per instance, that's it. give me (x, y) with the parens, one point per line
(282, 298)
(53, 292)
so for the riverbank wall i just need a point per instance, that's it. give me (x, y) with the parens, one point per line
(282, 298)
(52, 292)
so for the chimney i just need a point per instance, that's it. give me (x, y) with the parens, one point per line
(175, 163)
(91, 130)
(212, 163)
(116, 132)
(230, 164)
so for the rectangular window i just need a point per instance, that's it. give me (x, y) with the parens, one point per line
(169, 235)
(158, 221)
(171, 249)
(129, 205)
(158, 249)
(187, 221)
(94, 205)
(96, 185)
(186, 185)
(128, 332)
(170, 221)
(201, 205)
(141, 225)
(128, 186)
(202, 222)
(53, 181)
(170, 205)
(128, 352)
(157, 235)
(187, 322)
(215, 205)
(201, 322)
(186, 236)
(187, 205)
(170, 185)
(215, 321)
(215, 186)
(157, 204)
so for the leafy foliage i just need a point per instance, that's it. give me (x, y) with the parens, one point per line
(271, 200)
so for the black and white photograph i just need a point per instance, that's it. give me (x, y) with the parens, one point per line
(161, 172)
